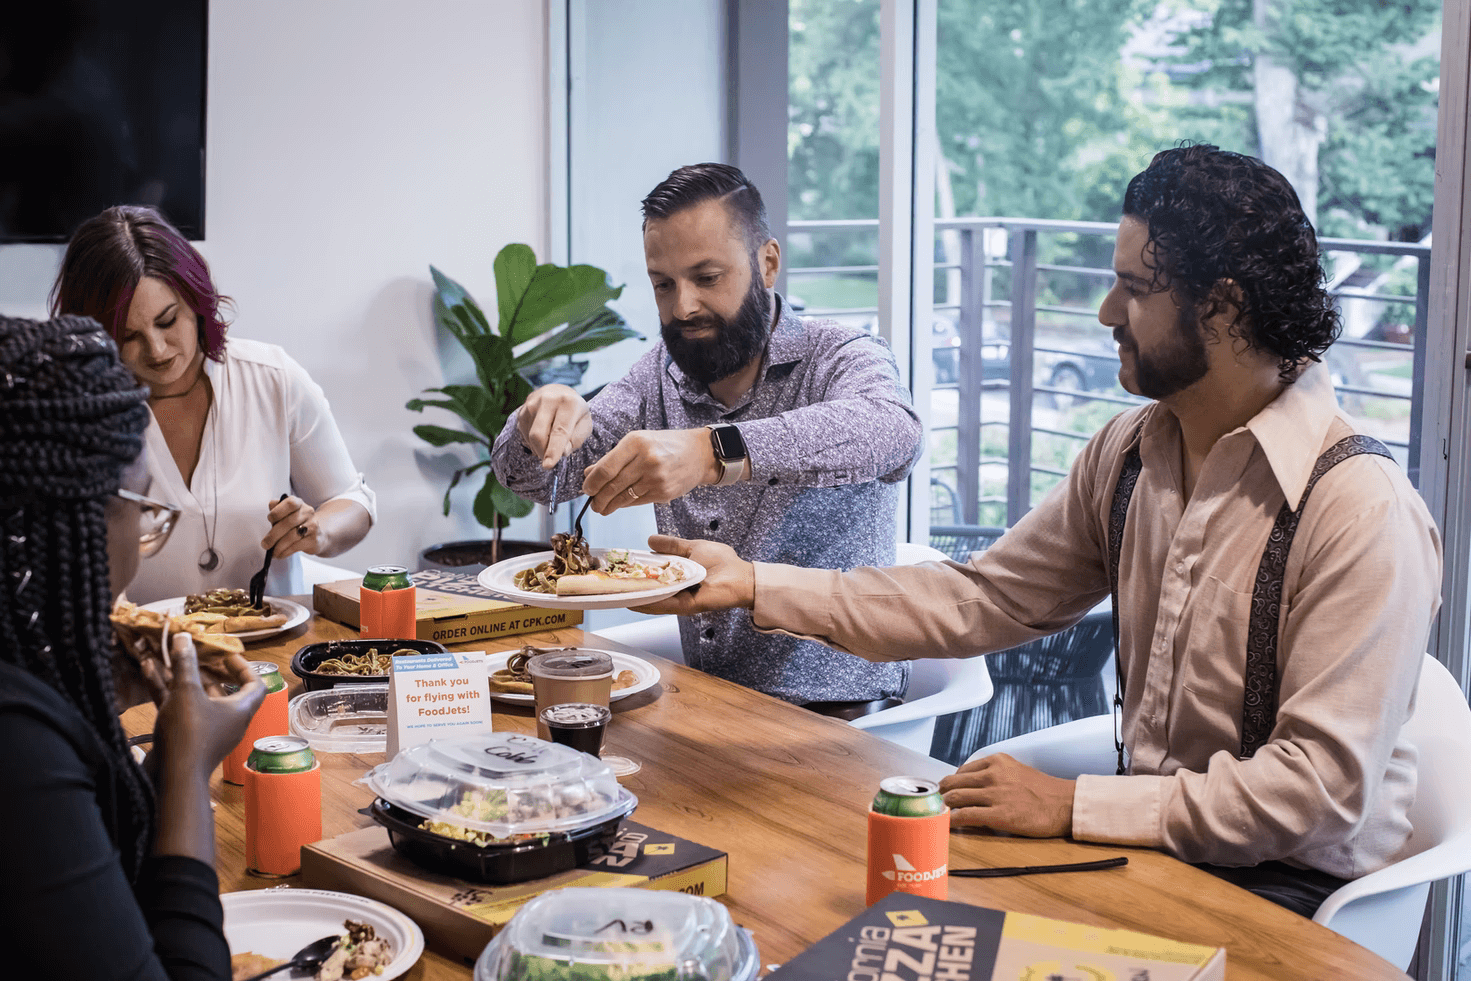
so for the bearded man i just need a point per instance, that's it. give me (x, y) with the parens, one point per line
(1274, 575)
(783, 438)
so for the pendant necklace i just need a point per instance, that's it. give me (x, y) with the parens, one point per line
(209, 559)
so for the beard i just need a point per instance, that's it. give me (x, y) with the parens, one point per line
(1174, 365)
(737, 341)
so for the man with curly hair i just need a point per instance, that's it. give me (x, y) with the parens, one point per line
(1274, 573)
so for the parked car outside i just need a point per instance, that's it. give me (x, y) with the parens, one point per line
(1082, 366)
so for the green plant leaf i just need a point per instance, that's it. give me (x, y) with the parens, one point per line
(419, 405)
(453, 483)
(492, 356)
(494, 505)
(440, 436)
(452, 295)
(477, 406)
(514, 266)
(558, 295)
(604, 327)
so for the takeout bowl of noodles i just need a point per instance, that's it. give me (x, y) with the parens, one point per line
(337, 662)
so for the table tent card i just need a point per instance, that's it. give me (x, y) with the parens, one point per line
(437, 696)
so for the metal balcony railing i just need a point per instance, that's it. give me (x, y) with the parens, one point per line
(984, 305)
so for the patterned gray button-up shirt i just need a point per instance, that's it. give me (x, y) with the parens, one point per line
(830, 433)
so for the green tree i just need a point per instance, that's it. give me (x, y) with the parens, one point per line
(1343, 93)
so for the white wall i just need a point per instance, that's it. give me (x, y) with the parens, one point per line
(648, 95)
(350, 146)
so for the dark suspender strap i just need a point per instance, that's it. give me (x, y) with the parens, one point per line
(1123, 492)
(1259, 706)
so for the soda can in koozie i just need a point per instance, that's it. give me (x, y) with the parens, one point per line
(283, 805)
(269, 720)
(386, 604)
(908, 839)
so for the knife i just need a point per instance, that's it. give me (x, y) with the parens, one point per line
(1107, 863)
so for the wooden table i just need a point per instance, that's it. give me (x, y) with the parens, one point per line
(785, 791)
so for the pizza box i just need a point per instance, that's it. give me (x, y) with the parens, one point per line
(906, 936)
(459, 917)
(450, 608)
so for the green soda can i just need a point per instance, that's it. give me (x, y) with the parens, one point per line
(281, 754)
(382, 578)
(387, 607)
(908, 797)
(269, 720)
(270, 673)
(283, 805)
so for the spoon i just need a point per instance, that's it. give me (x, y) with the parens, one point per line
(308, 958)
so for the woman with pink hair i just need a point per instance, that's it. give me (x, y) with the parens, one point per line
(233, 425)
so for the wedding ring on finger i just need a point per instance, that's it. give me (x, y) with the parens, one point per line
(633, 493)
(301, 531)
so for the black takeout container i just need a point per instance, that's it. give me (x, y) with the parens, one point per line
(305, 660)
(496, 865)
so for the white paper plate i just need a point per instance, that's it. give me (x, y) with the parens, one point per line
(279, 922)
(501, 580)
(296, 614)
(646, 673)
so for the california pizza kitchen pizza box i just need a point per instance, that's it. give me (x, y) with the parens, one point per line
(459, 918)
(452, 608)
(913, 938)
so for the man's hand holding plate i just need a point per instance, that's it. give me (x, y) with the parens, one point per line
(730, 581)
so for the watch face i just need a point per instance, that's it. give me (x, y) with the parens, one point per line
(728, 442)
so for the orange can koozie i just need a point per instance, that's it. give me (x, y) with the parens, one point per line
(269, 720)
(386, 604)
(283, 805)
(908, 840)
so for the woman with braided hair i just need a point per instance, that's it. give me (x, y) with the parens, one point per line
(232, 426)
(108, 871)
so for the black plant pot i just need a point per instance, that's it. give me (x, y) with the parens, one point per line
(473, 555)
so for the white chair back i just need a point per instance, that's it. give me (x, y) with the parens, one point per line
(1382, 910)
(937, 686)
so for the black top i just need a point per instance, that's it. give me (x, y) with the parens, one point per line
(67, 907)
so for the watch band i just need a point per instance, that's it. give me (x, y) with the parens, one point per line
(730, 471)
(731, 467)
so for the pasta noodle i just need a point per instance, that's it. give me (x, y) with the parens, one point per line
(366, 663)
(570, 557)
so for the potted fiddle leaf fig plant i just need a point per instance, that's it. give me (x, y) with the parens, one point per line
(543, 311)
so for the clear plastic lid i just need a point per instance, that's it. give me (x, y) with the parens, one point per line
(620, 935)
(345, 719)
(502, 783)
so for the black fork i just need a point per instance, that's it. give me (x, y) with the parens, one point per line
(258, 581)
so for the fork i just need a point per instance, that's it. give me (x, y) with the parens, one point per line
(258, 581)
(577, 522)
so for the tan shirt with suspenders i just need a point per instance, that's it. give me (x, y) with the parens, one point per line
(1330, 785)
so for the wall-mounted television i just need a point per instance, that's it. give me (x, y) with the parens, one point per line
(101, 102)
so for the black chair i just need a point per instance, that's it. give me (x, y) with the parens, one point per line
(958, 541)
(1042, 683)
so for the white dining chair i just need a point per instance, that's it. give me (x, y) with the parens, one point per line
(1382, 910)
(937, 685)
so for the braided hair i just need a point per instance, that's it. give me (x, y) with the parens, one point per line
(71, 419)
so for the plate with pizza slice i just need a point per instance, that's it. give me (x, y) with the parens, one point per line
(620, 578)
(277, 615)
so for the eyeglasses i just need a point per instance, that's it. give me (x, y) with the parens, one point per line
(158, 520)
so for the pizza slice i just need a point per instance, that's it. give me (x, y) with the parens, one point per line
(143, 633)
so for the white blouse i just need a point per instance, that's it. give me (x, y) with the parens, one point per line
(269, 432)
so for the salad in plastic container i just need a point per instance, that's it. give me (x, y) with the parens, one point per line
(501, 783)
(619, 935)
